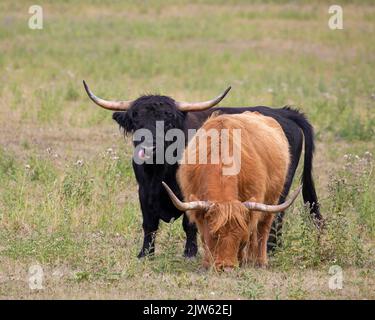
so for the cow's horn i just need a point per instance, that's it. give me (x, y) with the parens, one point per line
(199, 106)
(184, 206)
(272, 208)
(106, 104)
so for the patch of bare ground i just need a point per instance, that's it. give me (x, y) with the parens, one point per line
(60, 142)
(63, 283)
(276, 47)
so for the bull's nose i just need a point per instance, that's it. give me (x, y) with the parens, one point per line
(224, 267)
(145, 152)
(141, 153)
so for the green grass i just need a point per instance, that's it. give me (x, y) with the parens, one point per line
(68, 196)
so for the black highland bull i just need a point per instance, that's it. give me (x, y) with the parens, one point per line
(155, 202)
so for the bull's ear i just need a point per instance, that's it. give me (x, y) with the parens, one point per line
(124, 121)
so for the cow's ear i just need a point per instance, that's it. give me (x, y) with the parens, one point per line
(124, 121)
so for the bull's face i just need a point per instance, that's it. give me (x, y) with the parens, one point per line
(156, 115)
(146, 111)
(224, 233)
(152, 112)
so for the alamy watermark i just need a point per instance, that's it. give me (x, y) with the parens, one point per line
(336, 20)
(36, 19)
(35, 277)
(205, 147)
(335, 282)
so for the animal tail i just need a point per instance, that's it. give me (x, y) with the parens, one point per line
(308, 189)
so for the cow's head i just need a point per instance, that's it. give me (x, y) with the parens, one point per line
(224, 226)
(146, 111)
(224, 232)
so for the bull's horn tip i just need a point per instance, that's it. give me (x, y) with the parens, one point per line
(169, 190)
(166, 187)
(227, 90)
(85, 85)
(88, 91)
(296, 193)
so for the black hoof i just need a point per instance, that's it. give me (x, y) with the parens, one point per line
(141, 255)
(271, 248)
(144, 253)
(190, 252)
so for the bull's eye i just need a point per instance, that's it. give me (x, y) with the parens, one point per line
(135, 113)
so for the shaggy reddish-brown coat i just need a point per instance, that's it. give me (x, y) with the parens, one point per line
(229, 231)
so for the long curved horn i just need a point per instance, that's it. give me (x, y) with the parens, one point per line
(272, 208)
(199, 106)
(106, 104)
(184, 206)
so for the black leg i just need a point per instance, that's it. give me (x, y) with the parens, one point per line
(274, 239)
(191, 247)
(149, 230)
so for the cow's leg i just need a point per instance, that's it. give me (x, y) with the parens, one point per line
(252, 247)
(295, 145)
(264, 227)
(150, 225)
(190, 229)
(242, 253)
(274, 239)
(149, 229)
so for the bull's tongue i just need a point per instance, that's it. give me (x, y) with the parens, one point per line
(141, 153)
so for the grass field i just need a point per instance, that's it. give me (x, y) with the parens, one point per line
(68, 197)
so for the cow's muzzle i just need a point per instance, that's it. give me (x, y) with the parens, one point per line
(145, 152)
